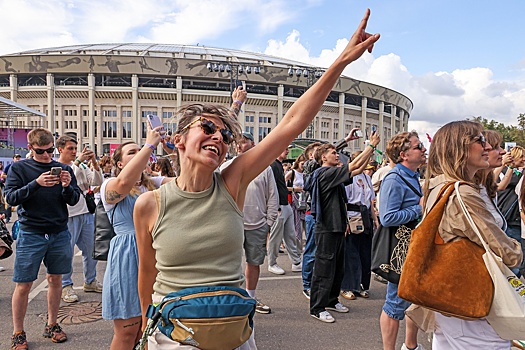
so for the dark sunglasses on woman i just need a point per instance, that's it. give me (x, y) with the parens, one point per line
(209, 128)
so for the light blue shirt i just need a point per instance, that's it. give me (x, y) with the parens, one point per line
(399, 204)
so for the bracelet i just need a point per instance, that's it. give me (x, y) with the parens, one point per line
(78, 160)
(373, 147)
(510, 167)
(238, 102)
(153, 148)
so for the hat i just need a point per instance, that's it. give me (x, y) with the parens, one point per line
(248, 135)
(370, 167)
(17, 156)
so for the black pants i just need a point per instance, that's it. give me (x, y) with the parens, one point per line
(358, 261)
(328, 271)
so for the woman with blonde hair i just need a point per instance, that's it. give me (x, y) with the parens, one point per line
(190, 232)
(459, 150)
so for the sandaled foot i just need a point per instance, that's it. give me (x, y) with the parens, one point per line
(55, 332)
(19, 341)
(348, 294)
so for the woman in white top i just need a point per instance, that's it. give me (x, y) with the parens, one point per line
(295, 176)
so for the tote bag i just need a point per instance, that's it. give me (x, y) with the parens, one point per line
(507, 314)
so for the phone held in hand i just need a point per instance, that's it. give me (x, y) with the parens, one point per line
(154, 121)
(358, 133)
(56, 170)
(374, 129)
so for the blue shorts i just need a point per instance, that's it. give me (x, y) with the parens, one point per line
(33, 248)
(394, 307)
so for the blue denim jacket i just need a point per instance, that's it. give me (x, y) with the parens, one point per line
(399, 204)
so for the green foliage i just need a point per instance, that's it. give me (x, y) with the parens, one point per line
(510, 133)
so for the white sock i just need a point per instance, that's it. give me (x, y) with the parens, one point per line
(251, 292)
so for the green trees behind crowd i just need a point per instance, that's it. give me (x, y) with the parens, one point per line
(510, 133)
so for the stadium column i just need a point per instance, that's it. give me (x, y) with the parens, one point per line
(136, 133)
(13, 85)
(393, 120)
(280, 94)
(364, 104)
(403, 121)
(342, 121)
(380, 127)
(50, 82)
(91, 113)
(178, 88)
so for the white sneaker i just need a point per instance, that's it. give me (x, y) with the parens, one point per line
(93, 287)
(338, 308)
(419, 347)
(276, 269)
(2, 268)
(69, 295)
(324, 316)
(297, 267)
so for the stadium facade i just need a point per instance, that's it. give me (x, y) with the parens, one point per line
(101, 93)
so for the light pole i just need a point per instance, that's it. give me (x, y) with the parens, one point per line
(233, 69)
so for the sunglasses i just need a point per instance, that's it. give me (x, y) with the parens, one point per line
(50, 150)
(419, 146)
(481, 140)
(209, 128)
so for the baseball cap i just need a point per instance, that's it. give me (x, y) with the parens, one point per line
(248, 135)
(17, 156)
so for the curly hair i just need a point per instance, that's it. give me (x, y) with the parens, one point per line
(399, 143)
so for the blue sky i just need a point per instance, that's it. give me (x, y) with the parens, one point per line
(454, 59)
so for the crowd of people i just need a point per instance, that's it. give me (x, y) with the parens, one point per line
(323, 210)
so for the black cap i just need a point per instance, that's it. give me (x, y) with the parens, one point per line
(248, 135)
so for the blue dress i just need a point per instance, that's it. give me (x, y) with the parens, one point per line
(120, 296)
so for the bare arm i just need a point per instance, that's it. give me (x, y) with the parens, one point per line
(119, 188)
(238, 96)
(248, 165)
(145, 215)
(362, 159)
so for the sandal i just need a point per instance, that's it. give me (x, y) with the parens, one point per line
(347, 294)
(55, 332)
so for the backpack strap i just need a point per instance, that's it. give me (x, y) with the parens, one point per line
(418, 193)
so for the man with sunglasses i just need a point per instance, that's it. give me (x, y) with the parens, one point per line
(42, 200)
(400, 205)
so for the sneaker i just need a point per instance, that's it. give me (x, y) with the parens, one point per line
(380, 279)
(2, 268)
(276, 269)
(338, 308)
(347, 294)
(69, 295)
(19, 341)
(55, 332)
(297, 267)
(324, 316)
(262, 308)
(419, 347)
(94, 287)
(306, 293)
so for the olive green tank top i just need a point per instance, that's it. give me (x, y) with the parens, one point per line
(198, 238)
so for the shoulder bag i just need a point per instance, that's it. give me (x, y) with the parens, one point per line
(450, 278)
(390, 245)
(8, 240)
(208, 318)
(103, 232)
(507, 313)
(90, 201)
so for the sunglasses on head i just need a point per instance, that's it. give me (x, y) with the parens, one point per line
(50, 150)
(209, 128)
(481, 140)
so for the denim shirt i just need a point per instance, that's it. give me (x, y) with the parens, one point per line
(399, 204)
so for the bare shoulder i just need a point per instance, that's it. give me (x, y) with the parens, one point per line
(146, 204)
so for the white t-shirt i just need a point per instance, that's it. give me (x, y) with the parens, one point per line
(518, 190)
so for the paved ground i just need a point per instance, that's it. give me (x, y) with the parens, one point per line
(288, 327)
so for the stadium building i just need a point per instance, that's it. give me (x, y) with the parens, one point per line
(101, 93)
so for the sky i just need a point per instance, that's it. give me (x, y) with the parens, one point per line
(453, 59)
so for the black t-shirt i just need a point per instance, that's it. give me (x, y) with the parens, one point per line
(332, 182)
(508, 201)
(278, 173)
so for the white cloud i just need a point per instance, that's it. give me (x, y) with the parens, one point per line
(438, 97)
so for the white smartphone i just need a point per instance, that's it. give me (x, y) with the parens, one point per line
(154, 121)
(358, 133)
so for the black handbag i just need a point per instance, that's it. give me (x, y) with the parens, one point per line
(103, 232)
(8, 240)
(389, 250)
(90, 201)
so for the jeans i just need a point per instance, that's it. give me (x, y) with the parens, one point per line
(82, 231)
(358, 261)
(515, 232)
(394, 306)
(283, 228)
(328, 271)
(309, 252)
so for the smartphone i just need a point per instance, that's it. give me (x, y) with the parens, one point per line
(374, 128)
(358, 133)
(56, 170)
(154, 121)
(240, 83)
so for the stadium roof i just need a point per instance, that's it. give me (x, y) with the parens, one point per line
(10, 108)
(162, 50)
